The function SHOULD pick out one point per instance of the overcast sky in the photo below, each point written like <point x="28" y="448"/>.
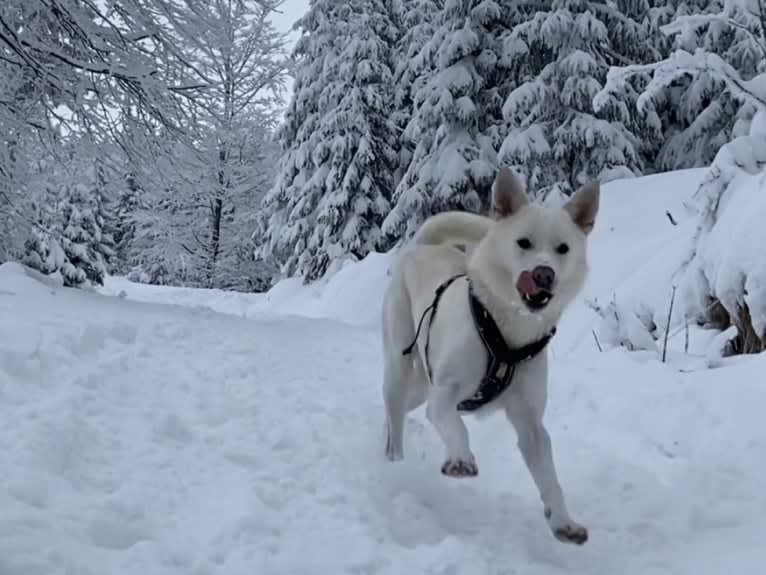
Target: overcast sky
<point x="291" y="11"/>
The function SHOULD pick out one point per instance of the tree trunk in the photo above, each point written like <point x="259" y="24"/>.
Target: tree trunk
<point x="216" y="209"/>
<point x="224" y="175"/>
<point x="216" y="215"/>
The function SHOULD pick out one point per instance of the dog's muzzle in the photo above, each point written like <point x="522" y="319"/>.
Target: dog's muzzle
<point x="536" y="287"/>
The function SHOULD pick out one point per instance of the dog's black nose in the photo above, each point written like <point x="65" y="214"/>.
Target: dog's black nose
<point x="543" y="276"/>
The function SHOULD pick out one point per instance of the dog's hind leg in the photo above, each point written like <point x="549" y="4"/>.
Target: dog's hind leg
<point x="417" y="388"/>
<point x="405" y="388"/>
<point x="395" y="397"/>
<point x="396" y="376"/>
<point x="399" y="371"/>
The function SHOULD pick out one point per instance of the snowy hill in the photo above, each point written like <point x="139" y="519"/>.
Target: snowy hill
<point x="179" y="431"/>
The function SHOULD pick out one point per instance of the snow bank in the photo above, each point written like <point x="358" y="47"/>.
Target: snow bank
<point x="352" y="295"/>
<point x="730" y="257"/>
<point x="22" y="279"/>
<point x="725" y="280"/>
<point x="228" y="302"/>
<point x="642" y="235"/>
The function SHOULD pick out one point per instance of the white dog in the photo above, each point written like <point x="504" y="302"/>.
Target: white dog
<point x="524" y="267"/>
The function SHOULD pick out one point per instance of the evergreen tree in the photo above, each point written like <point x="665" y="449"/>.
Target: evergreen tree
<point x="104" y="202"/>
<point x="561" y="56"/>
<point x="42" y="252"/>
<point x="338" y="140"/>
<point x="81" y="237"/>
<point x="39" y="255"/>
<point x="42" y="249"/>
<point x="457" y="120"/>
<point x="69" y="224"/>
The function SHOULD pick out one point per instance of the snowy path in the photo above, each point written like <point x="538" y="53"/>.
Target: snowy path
<point x="169" y="440"/>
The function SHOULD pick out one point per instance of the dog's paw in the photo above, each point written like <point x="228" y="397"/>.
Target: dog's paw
<point x="392" y="455"/>
<point x="572" y="533"/>
<point x="567" y="531"/>
<point x="460" y="468"/>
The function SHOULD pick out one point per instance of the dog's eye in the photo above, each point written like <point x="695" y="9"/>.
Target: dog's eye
<point x="562" y="249"/>
<point x="524" y="243"/>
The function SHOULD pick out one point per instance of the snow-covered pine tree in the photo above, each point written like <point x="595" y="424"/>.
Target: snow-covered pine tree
<point x="632" y="33"/>
<point x="41" y="251"/>
<point x="457" y="120"/>
<point x="338" y="141"/>
<point x="104" y="200"/>
<point x="67" y="232"/>
<point x="667" y="117"/>
<point x="416" y="21"/>
<point x="42" y="247"/>
<point x="561" y="55"/>
<point x="38" y="252"/>
<point x="80" y="236"/>
<point x="693" y="94"/>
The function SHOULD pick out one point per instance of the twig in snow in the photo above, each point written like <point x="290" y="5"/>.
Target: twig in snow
<point x="671" y="218"/>
<point x="598" y="343"/>
<point x="667" y="328"/>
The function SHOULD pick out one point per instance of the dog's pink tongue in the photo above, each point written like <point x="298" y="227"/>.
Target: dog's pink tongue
<point x="526" y="284"/>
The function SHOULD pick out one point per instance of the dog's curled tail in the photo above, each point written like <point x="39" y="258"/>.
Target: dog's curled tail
<point x="453" y="228"/>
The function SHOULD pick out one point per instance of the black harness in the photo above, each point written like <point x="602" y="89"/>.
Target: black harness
<point x="503" y="360"/>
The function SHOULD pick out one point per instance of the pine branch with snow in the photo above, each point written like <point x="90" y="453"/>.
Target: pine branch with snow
<point x="555" y="137"/>
<point x="708" y="89"/>
<point x="417" y="21"/>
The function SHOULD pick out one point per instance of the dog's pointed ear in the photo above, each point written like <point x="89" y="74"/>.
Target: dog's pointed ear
<point x="508" y="195"/>
<point x="583" y="206"/>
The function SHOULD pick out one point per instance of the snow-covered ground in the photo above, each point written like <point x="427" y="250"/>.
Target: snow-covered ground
<point x="175" y="431"/>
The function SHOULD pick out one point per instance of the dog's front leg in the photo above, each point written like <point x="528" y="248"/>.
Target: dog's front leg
<point x="442" y="412"/>
<point x="535" y="446"/>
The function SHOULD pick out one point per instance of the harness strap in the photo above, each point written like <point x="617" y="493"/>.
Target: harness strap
<point x="502" y="360"/>
<point x="432" y="308"/>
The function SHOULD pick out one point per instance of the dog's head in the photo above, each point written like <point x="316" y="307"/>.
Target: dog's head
<point x="541" y="249"/>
